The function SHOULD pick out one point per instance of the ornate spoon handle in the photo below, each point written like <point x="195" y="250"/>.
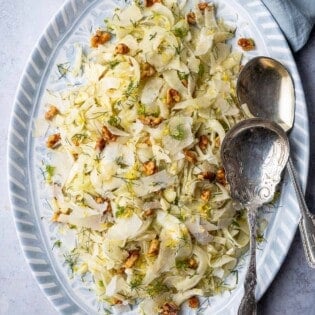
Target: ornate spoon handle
<point x="307" y="223"/>
<point x="248" y="303"/>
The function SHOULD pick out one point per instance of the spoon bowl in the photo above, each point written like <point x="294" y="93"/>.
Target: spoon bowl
<point x="266" y="86"/>
<point x="254" y="153"/>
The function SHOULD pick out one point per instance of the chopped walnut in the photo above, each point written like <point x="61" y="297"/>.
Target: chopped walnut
<point x="108" y="207"/>
<point x="132" y="258"/>
<point x="122" y="49"/>
<point x="149" y="3"/>
<point x="172" y="96"/>
<point x="147" y="71"/>
<point x="100" y="144"/>
<point x="203" y="142"/>
<point x="99" y="200"/>
<point x="193" y="302"/>
<point x="205" y="194"/>
<point x="116" y="301"/>
<point x="151" y="120"/>
<point x="149" y="168"/>
<point x="169" y="308"/>
<point x="190" y="156"/>
<point x="51" y="113"/>
<point x="55" y="216"/>
<point x="203" y="6"/>
<point x="207" y="175"/>
<point x="192" y="263"/>
<point x="75" y="156"/>
<point x="52" y="140"/>
<point x="107" y="135"/>
<point x="100" y="38"/>
<point x="220" y="176"/>
<point x="246" y="43"/>
<point x="154" y="248"/>
<point x="148" y="213"/>
<point x="191" y="18"/>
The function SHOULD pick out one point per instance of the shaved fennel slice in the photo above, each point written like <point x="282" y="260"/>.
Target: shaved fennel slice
<point x="164" y="11"/>
<point x="126" y="228"/>
<point x="172" y="79"/>
<point x="180" y="134"/>
<point x="155" y="182"/>
<point x="199" y="231"/>
<point x="215" y="126"/>
<point x="210" y="19"/>
<point x="131" y="14"/>
<point x="175" y="244"/>
<point x="151" y="90"/>
<point x="91" y="222"/>
<point x="204" y="43"/>
<point x="160" y="154"/>
<point x="175" y="234"/>
<point x="183" y="284"/>
<point x="114" y="152"/>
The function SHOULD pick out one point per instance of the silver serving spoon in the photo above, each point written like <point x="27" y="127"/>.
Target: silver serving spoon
<point x="266" y="86"/>
<point x="254" y="153"/>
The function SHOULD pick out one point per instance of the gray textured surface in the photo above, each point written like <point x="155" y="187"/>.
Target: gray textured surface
<point x="21" y="22"/>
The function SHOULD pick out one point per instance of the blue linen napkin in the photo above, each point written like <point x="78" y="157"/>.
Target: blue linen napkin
<point x="296" y="19"/>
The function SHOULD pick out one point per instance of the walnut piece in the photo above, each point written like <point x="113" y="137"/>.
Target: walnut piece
<point x="149" y="3"/>
<point x="116" y="301"/>
<point x="172" y="97"/>
<point x="190" y="156"/>
<point x="147" y="71"/>
<point x="191" y="18"/>
<point x="246" y="44"/>
<point x="151" y="120"/>
<point x="154" y="247"/>
<point x="149" y="168"/>
<point x="148" y="213"/>
<point x="193" y="302"/>
<point x="203" y="142"/>
<point x="51" y="112"/>
<point x="192" y="263"/>
<point x="108" y="208"/>
<point x="122" y="49"/>
<point x="100" y="144"/>
<point x="205" y="194"/>
<point x="107" y="135"/>
<point x="100" y="38"/>
<point x="207" y="175"/>
<point x="220" y="176"/>
<point x="203" y="6"/>
<point x="55" y="216"/>
<point x="132" y="258"/>
<point x="99" y="200"/>
<point x="52" y="140"/>
<point x="169" y="308"/>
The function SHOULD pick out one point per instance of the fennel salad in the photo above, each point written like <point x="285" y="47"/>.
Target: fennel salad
<point x="135" y="166"/>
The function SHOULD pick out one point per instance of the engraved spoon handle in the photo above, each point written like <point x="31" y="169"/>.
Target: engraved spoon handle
<point x="248" y="303"/>
<point x="307" y="223"/>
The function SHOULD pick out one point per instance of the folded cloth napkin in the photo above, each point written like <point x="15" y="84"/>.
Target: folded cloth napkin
<point x="296" y="19"/>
